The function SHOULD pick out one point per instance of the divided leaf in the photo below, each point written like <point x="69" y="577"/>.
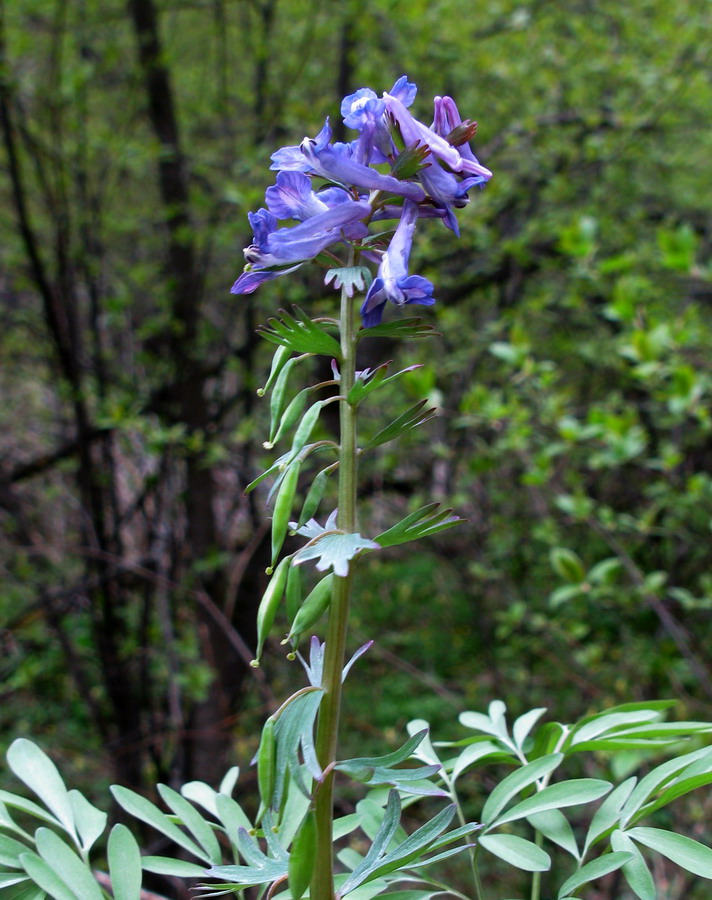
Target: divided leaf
<point x="421" y="523"/>
<point x="300" y="334"/>
<point x="412" y="417"/>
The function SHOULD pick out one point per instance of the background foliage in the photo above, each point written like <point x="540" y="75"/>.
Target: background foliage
<point x="571" y="377"/>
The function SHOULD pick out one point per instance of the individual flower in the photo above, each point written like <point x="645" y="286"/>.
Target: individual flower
<point x="292" y="197"/>
<point x="449" y="173"/>
<point x="273" y="247"/>
<point x="340" y="163"/>
<point x="393" y="281"/>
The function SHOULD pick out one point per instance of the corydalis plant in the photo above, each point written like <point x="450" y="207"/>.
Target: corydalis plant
<point x="339" y="194"/>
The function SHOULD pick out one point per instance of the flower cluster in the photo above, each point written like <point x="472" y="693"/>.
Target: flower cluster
<point x="396" y="168"/>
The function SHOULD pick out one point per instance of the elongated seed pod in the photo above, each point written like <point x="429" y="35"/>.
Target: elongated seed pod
<point x="313" y="608"/>
<point x="306" y="426"/>
<point x="314" y="496"/>
<point x="294" y="592"/>
<point x="279" y="393"/>
<point x="266" y="760"/>
<point x="302" y="856"/>
<point x="290" y="415"/>
<point x="281" y="355"/>
<point x="283" y="508"/>
<point x="269" y="604"/>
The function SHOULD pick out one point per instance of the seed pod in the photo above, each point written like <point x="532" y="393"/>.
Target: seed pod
<point x="306" y="426"/>
<point x="294" y="592"/>
<point x="302" y="856"/>
<point x="279" y="359"/>
<point x="290" y="415"/>
<point x="276" y="401"/>
<point x="269" y="605"/>
<point x="313" y="608"/>
<point x="283" y="508"/>
<point x="314" y="496"/>
<point x="266" y="771"/>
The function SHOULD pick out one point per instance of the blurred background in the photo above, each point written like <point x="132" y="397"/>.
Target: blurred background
<point x="572" y="374"/>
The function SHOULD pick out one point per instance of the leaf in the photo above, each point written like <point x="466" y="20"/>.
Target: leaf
<point x="300" y="334"/>
<point x="333" y="549"/>
<point x="89" y="820"/>
<point x="45" y="876"/>
<point x="678" y="788"/>
<point x="524" y="724"/>
<point x="480" y="722"/>
<point x="513" y="784"/>
<point x="655" y="779"/>
<point x="604" y="725"/>
<point x="231" y="814"/>
<point x="554" y="825"/>
<point x="595" y="869"/>
<point x="389" y="759"/>
<point x="201" y="794"/>
<point x="229" y="780"/>
<point x="124" y="864"/>
<point x="261" y="869"/>
<point x="40" y="774"/>
<point x="410" y="851"/>
<point x="567" y="565"/>
<point x="607" y="814"/>
<point x="294" y="728"/>
<point x="193" y="821"/>
<point x="28" y="806"/>
<point x="477" y="752"/>
<point x="421" y="523"/>
<point x="145" y="811"/>
<point x="682" y="850"/>
<point x="372" y="380"/>
<point x="412" y="417"/>
<point x="10" y="851"/>
<point x="67" y="865"/>
<point x="635" y="870"/>
<point x="556" y="796"/>
<point x="399" y="328"/>
<point x="165" y="865"/>
<point x="516" y="851"/>
<point x="351" y="278"/>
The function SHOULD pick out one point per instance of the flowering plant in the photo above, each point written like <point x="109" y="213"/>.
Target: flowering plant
<point x="399" y="169"/>
<point x="396" y="169"/>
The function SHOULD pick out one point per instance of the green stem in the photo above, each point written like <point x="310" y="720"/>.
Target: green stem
<point x="479" y="890"/>
<point x="536" y="876"/>
<point x="322" y="887"/>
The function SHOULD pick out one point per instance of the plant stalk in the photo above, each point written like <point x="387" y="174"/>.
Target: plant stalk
<point x="322" y="886"/>
<point x="536" y="876"/>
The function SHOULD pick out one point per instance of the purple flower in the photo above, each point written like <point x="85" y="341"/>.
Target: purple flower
<point x="431" y="180"/>
<point x="273" y="247"/>
<point x="292" y="197"/>
<point x="340" y="163"/>
<point x="393" y="282"/>
<point x="448" y="123"/>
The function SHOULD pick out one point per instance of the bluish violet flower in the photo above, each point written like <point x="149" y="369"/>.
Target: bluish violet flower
<point x="393" y="281"/>
<point x="274" y="246"/>
<point x="339" y="163"/>
<point x="431" y="180"/>
<point x="292" y="197"/>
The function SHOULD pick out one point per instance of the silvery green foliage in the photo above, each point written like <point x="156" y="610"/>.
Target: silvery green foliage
<point x="527" y="816"/>
<point x="531" y="813"/>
